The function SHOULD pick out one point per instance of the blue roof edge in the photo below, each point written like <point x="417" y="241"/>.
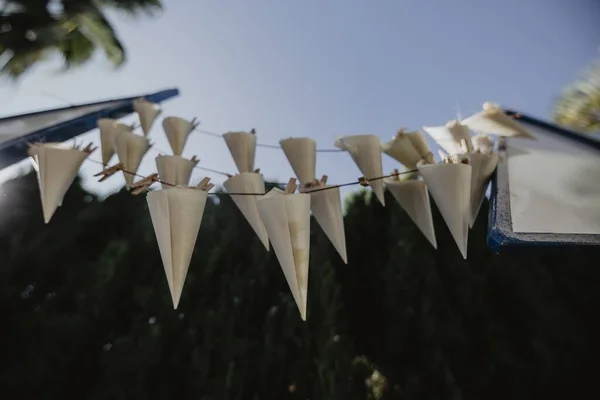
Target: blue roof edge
<point x="15" y="150"/>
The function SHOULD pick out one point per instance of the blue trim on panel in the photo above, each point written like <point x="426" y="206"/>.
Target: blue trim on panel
<point x="15" y="150"/>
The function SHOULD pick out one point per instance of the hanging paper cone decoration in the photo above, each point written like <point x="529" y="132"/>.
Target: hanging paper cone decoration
<point x="419" y="143"/>
<point x="287" y="220"/>
<point x="177" y="131"/>
<point x="483" y="166"/>
<point x="130" y="151"/>
<point x="147" y="113"/>
<point x="413" y="197"/>
<point x="453" y="137"/>
<point x="483" y="143"/>
<point x="56" y="166"/>
<point x="326" y="207"/>
<point x="493" y="121"/>
<point x="242" y="146"/>
<point x="302" y="156"/>
<point x="176" y="216"/>
<point x="174" y="170"/>
<point x="249" y="182"/>
<point x="109" y="128"/>
<point x="401" y="149"/>
<point x="366" y="153"/>
<point x="450" y="187"/>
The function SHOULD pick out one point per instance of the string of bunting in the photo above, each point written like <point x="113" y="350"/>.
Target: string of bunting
<point x="281" y="217"/>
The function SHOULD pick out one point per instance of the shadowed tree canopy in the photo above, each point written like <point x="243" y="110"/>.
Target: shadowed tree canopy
<point x="86" y="310"/>
<point x="33" y="30"/>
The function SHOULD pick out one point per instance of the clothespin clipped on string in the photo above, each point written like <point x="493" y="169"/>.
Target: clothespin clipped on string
<point x="205" y="185"/>
<point x="363" y="181"/>
<point x="195" y="160"/>
<point x="291" y="186"/>
<point x="108" y="172"/>
<point x="144" y="184"/>
<point x="89" y="149"/>
<point x="253" y="131"/>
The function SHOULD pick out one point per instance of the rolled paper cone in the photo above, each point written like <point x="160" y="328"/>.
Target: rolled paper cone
<point x="413" y="197"/>
<point x="483" y="144"/>
<point x="176" y="215"/>
<point x="175" y="170"/>
<point x="420" y="144"/>
<point x="450" y="137"/>
<point x="109" y="128"/>
<point x="366" y="153"/>
<point x="326" y="207"/>
<point x="130" y="151"/>
<point x="493" y="121"/>
<point x="56" y="166"/>
<point x="249" y="182"/>
<point x="402" y="150"/>
<point x="242" y="146"/>
<point x="483" y="167"/>
<point x="450" y="187"/>
<point x="177" y="131"/>
<point x="147" y="113"/>
<point x="287" y="220"/>
<point x="302" y="156"/>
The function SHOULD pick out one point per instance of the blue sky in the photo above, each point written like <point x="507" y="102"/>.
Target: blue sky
<point x="326" y="68"/>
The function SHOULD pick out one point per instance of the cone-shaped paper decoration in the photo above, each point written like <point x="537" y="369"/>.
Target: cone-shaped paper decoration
<point x="451" y="137"/>
<point x="147" y="113"/>
<point x="366" y="153"/>
<point x="175" y="170"/>
<point x="483" y="166"/>
<point x="326" y="207"/>
<point x="249" y="182"/>
<point x="242" y="146"/>
<point x="483" y="143"/>
<point x="176" y="216"/>
<point x="302" y="155"/>
<point x="401" y="149"/>
<point x="56" y="166"/>
<point x="413" y="197"/>
<point x="420" y="144"/>
<point x="177" y="131"/>
<point x="130" y="150"/>
<point x="493" y="121"/>
<point x="450" y="187"/>
<point x="287" y="220"/>
<point x="109" y="128"/>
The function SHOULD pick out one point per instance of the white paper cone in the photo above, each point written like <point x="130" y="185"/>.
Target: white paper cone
<point x="483" y="166"/>
<point x="493" y="121"/>
<point x="249" y="182"/>
<point x="366" y="153"/>
<point x="302" y="156"/>
<point x="450" y="187"/>
<point x="130" y="151"/>
<point x="326" y="207"/>
<point x="175" y="170"/>
<point x="177" y="131"/>
<point x="413" y="197"/>
<point x="402" y="150"/>
<point x="147" y="113"/>
<point x="176" y="216"/>
<point x="420" y="144"/>
<point x="242" y="146"/>
<point x="450" y="137"/>
<point x="287" y="220"/>
<point x="56" y="166"/>
<point x="109" y="128"/>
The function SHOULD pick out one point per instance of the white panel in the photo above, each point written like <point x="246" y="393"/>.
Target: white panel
<point x="554" y="185"/>
<point x="23" y="126"/>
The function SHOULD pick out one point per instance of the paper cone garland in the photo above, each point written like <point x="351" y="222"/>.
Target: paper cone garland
<point x="176" y="216"/>
<point x="177" y="131"/>
<point x="56" y="165"/>
<point x="287" y="220"/>
<point x="413" y="197"/>
<point x="174" y="170"/>
<point x="450" y="187"/>
<point x="452" y="137"/>
<point x="130" y="150"/>
<point x="302" y="156"/>
<point x="242" y="146"/>
<point x="401" y="149"/>
<point x="109" y="128"/>
<point x="249" y="182"/>
<point x="147" y="113"/>
<point x="483" y="166"/>
<point x="366" y="153"/>
<point x="493" y="121"/>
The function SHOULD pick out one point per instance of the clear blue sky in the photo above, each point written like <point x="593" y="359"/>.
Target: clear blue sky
<point x="327" y="68"/>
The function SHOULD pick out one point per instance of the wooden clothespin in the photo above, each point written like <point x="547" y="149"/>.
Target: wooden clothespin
<point x="363" y="181"/>
<point x="323" y="181"/>
<point x="108" y="172"/>
<point x="195" y="160"/>
<point x="194" y="123"/>
<point x="144" y="184"/>
<point x="89" y="149"/>
<point x="396" y="174"/>
<point x="291" y="186"/>
<point x="257" y="170"/>
<point x="205" y="185"/>
<point x="399" y="134"/>
<point x="253" y="131"/>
